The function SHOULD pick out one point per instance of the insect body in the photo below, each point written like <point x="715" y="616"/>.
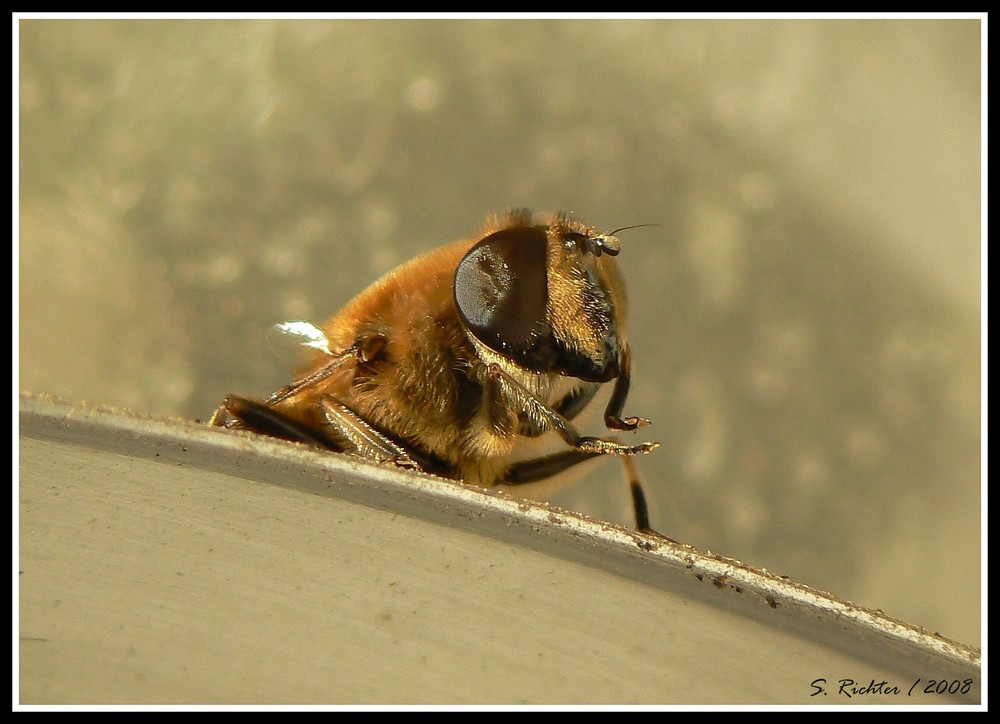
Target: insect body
<point x="449" y="363"/>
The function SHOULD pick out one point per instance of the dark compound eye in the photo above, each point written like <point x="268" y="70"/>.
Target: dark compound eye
<point x="501" y="290"/>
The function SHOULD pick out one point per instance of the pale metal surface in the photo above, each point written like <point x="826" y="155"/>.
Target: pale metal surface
<point x="162" y="561"/>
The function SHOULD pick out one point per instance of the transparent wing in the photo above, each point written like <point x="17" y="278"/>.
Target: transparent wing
<point x="292" y="341"/>
<point x="288" y="340"/>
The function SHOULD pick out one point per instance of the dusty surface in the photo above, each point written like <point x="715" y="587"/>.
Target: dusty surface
<point x="163" y="562"/>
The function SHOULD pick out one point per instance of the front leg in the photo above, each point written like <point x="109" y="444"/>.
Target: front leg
<point x="612" y="415"/>
<point x="551" y="419"/>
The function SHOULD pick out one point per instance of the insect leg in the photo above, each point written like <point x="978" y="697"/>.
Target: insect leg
<point x="572" y="405"/>
<point x="612" y="415"/>
<point x="363" y="439"/>
<point x="530" y="471"/>
<point x="238" y="413"/>
<point x="639" y="505"/>
<point x="563" y="427"/>
<point x="351" y="353"/>
<point x="343" y="432"/>
<point x="534" y="469"/>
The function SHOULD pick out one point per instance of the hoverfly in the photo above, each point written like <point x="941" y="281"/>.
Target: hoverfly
<point x="451" y="361"/>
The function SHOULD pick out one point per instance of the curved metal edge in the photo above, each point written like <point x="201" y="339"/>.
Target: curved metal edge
<point x="656" y="561"/>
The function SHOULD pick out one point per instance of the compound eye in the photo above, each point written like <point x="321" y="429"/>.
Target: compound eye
<point x="501" y="290"/>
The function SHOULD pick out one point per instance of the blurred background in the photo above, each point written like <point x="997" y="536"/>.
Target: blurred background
<point x="805" y="318"/>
